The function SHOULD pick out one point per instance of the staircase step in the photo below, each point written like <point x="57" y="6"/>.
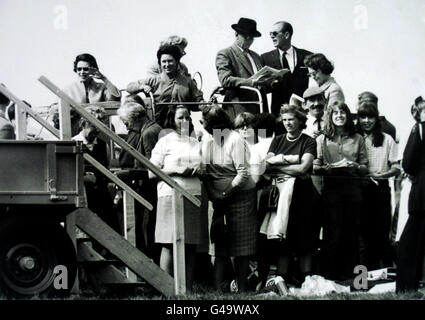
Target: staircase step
<point x="101" y="263"/>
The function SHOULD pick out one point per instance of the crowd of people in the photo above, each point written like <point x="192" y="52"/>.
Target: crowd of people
<point x="305" y="187"/>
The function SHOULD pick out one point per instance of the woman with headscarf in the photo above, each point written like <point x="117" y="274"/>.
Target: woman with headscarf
<point x="174" y="40"/>
<point x="168" y="86"/>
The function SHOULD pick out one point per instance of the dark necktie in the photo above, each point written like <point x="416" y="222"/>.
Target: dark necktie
<point x="319" y="126"/>
<point x="283" y="61"/>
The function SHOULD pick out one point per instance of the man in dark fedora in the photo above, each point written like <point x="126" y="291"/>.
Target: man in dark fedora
<point x="286" y="56"/>
<point x="235" y="67"/>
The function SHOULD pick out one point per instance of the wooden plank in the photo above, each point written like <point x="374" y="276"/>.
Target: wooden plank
<point x="106" y="274"/>
<point x="144" y="267"/>
<point x="129" y="226"/>
<point x="51" y="171"/>
<point x="178" y="245"/>
<point x="21" y="123"/>
<point x="87" y="157"/>
<point x="125" y="146"/>
<point x="65" y="120"/>
<point x="70" y="227"/>
<point x="118" y="181"/>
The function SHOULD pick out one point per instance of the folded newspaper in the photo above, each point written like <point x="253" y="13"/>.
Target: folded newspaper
<point x="267" y="75"/>
<point x="340" y="164"/>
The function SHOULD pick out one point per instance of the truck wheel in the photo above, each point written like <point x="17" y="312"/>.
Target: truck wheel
<point x="30" y="253"/>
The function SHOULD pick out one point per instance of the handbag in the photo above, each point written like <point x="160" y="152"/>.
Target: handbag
<point x="219" y="231"/>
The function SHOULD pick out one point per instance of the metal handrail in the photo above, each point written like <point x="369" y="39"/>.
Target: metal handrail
<point x="260" y="101"/>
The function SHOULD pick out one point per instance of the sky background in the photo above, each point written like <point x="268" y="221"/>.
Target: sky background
<point x="375" y="45"/>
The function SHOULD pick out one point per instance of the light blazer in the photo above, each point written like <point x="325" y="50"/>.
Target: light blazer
<point x="333" y="92"/>
<point x="296" y="82"/>
<point x="234" y="70"/>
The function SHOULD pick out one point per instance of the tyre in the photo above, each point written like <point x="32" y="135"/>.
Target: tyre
<point x="31" y="252"/>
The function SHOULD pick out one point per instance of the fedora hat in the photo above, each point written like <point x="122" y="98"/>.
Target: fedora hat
<point x="247" y="27"/>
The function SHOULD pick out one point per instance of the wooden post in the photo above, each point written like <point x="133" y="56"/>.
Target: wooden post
<point x="70" y="225"/>
<point x="21" y="123"/>
<point x="65" y="120"/>
<point x="178" y="245"/>
<point x="129" y="226"/>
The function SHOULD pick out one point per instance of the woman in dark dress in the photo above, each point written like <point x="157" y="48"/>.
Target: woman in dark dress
<point x="410" y="262"/>
<point x="289" y="231"/>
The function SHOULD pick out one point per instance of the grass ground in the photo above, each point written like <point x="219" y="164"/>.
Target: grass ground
<point x="209" y="294"/>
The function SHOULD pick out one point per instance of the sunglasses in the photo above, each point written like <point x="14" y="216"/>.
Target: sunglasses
<point x="274" y="33"/>
<point x="83" y="69"/>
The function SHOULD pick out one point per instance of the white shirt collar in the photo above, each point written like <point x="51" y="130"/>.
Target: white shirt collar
<point x="290" y="52"/>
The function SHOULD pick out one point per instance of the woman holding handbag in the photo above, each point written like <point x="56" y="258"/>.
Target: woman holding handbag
<point x="225" y="159"/>
<point x="288" y="231"/>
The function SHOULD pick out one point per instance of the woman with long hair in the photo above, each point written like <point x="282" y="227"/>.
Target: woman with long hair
<point x="342" y="159"/>
<point x="383" y="159"/>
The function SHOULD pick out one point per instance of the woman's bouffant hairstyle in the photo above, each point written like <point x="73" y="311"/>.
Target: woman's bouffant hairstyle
<point x="297" y="112"/>
<point x="329" y="130"/>
<point x="214" y="117"/>
<point x="174" y="40"/>
<point x="318" y="61"/>
<point x="131" y="110"/>
<point x="265" y="121"/>
<point x="171" y="50"/>
<point x="369" y="109"/>
<point x="367" y="96"/>
<point x="87" y="58"/>
<point x="170" y="122"/>
<point x="417" y="107"/>
<point x="97" y="112"/>
<point x="244" y="119"/>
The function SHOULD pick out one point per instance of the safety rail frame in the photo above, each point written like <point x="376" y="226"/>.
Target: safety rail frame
<point x="178" y="216"/>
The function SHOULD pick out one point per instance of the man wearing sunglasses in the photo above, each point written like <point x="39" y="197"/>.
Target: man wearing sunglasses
<point x="286" y="56"/>
<point x="235" y="67"/>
